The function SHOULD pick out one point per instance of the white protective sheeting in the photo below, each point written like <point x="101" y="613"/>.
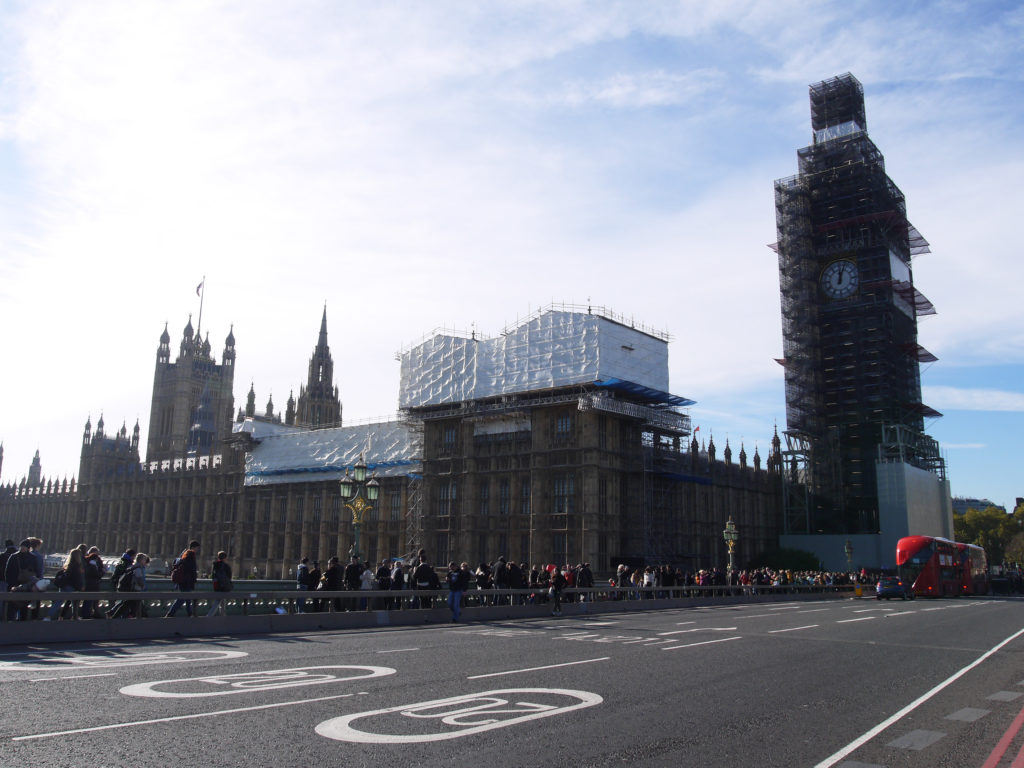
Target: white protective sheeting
<point x="324" y="454"/>
<point x="554" y="349"/>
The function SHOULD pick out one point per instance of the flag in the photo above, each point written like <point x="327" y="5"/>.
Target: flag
<point x="199" y="288"/>
<point x="696" y="429"/>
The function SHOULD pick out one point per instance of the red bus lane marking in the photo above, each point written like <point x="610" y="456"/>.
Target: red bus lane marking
<point x="1004" y="742"/>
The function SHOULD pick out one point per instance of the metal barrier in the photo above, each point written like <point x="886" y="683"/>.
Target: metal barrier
<point x="243" y="602"/>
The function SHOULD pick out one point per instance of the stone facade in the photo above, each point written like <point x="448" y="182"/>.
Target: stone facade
<point x="567" y="474"/>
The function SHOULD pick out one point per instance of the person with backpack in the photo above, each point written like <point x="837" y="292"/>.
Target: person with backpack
<point x="126" y="562"/>
<point x="220" y="574"/>
<point x="94" y="573"/>
<point x="424" y="578"/>
<point x="20" y="576"/>
<point x="133" y="580"/>
<point x="70" y="578"/>
<point x="185" y="574"/>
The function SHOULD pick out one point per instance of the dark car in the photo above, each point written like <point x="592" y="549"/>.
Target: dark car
<point x="892" y="586"/>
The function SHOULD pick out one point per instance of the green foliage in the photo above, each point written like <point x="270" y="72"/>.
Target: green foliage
<point x="787" y="559"/>
<point x="991" y="528"/>
<point x="1015" y="549"/>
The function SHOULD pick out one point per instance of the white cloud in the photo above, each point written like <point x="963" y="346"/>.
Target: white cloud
<point x="417" y="165"/>
<point x="960" y="399"/>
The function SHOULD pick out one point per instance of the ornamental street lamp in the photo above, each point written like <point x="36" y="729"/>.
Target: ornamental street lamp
<point x="848" y="549"/>
<point x="358" y="494"/>
<point x="731" y="536"/>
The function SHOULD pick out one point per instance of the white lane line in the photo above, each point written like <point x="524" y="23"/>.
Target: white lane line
<point x="684" y="623"/>
<point x="861" y="740"/>
<point x="192" y="716"/>
<point x="74" y="677"/>
<point x="814" y="610"/>
<point x="755" y="616"/>
<point x="706" y="642"/>
<point x="535" y="669"/>
<point x="399" y="650"/>
<point x="785" y="608"/>
<point x="791" y="629"/>
<point x="899" y="613"/>
<point x="698" y="629"/>
<point x="862" y="618"/>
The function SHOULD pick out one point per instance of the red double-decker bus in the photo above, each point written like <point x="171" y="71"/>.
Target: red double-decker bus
<point x="938" y="567"/>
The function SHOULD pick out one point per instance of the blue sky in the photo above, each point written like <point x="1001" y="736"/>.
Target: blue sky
<point x="423" y="165"/>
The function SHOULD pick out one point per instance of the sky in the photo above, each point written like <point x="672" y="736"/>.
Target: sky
<point x="414" y="166"/>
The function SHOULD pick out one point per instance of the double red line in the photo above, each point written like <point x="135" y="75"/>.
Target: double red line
<point x="1004" y="743"/>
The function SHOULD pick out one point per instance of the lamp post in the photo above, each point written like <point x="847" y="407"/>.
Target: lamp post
<point x="848" y="549"/>
<point x="358" y="495"/>
<point x="731" y="536"/>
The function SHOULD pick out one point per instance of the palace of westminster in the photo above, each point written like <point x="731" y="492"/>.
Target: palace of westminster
<point x="557" y="440"/>
<point x="554" y="458"/>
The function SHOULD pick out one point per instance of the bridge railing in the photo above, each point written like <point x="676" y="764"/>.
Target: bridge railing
<point x="247" y="602"/>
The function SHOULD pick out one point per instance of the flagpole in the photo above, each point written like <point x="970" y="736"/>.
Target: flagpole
<point x="202" y="292"/>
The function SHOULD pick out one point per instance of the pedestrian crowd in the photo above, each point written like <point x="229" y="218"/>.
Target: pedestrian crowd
<point x="503" y="581"/>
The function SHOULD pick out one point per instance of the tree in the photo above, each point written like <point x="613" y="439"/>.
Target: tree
<point x="990" y="528"/>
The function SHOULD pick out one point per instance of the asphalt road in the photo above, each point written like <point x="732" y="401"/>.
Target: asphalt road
<point x="852" y="683"/>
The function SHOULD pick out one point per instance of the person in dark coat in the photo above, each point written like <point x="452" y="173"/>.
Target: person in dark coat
<point x="95" y="570"/>
<point x="20" y="577"/>
<point x="189" y="564"/>
<point x="331" y="581"/>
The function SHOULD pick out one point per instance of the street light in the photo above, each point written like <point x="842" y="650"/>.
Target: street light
<point x="731" y="536"/>
<point x="358" y="494"/>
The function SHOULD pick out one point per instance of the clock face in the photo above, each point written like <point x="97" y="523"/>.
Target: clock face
<point x="840" y="279"/>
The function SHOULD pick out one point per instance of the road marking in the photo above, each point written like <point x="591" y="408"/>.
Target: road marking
<point x="706" y="642"/>
<point x="864" y="739"/>
<point x="470" y="713"/>
<point x="791" y="629"/>
<point x="399" y="650"/>
<point x="535" y="669"/>
<point x="1000" y="748"/>
<point x="862" y="618"/>
<point x="916" y="740"/>
<point x="785" y="608"/>
<point x="73" y="677"/>
<point x="249" y="682"/>
<point x="753" y="616"/>
<point x="192" y="716"/>
<point x="96" y="661"/>
<point x="1005" y="696"/>
<point x="684" y="623"/>
<point x="814" y="610"/>
<point x="899" y="613"/>
<point x="968" y="714"/>
<point x="699" y="629"/>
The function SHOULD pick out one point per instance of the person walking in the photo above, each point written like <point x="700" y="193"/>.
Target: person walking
<point x="331" y="582"/>
<point x="95" y="570"/>
<point x="131" y="582"/>
<point x="185" y="574"/>
<point x="458" y="582"/>
<point x="70" y="578"/>
<point x="220" y="575"/>
<point x="558" y="583"/>
<point x="302" y="584"/>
